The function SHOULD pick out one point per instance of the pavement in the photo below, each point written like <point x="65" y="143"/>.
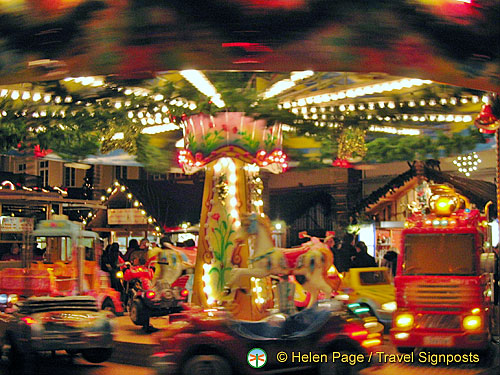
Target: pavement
<point x="134" y="346"/>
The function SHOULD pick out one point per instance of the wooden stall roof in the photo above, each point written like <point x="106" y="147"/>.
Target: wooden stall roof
<point x="167" y="202"/>
<point x="477" y="191"/>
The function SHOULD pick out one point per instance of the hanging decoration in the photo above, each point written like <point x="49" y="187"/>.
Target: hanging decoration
<point x="488" y="120"/>
<point x="351" y="145"/>
<point x="39" y="152"/>
<point x="342" y="163"/>
<point x="467" y="163"/>
<point x="18" y="186"/>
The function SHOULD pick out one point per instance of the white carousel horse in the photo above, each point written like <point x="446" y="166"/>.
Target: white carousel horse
<point x="312" y="260"/>
<point x="169" y="264"/>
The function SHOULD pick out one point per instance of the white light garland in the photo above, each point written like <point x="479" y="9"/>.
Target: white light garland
<point x="202" y="84"/>
<point x="393" y="130"/>
<point x="467" y="163"/>
<point x="362" y="91"/>
<point x="286" y="84"/>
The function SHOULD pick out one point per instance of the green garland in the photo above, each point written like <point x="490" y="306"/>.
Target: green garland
<point x="384" y="150"/>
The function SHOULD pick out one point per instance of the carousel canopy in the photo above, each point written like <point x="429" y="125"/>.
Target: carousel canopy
<point x="86" y="77"/>
<point x="444" y="40"/>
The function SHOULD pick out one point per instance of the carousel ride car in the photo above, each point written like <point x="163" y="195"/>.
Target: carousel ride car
<point x="71" y="323"/>
<point x="157" y="288"/>
<point x="70" y="265"/>
<point x="198" y="341"/>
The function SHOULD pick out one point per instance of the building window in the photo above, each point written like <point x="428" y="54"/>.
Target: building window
<point x="43" y="169"/>
<point x="158" y="176"/>
<point x="120" y="172"/>
<point x="21" y="167"/>
<point x="69" y="176"/>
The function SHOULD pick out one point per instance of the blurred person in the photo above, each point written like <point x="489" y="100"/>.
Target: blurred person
<point x="137" y="254"/>
<point x="133" y="246"/>
<point x="330" y="242"/>
<point x="38" y="253"/>
<point x="144" y="244"/>
<point x="104" y="258"/>
<point x="333" y="243"/>
<point x="110" y="263"/>
<point x="345" y="253"/>
<point x="362" y="258"/>
<point x="14" y="254"/>
<point x="391" y="260"/>
<point x="141" y="257"/>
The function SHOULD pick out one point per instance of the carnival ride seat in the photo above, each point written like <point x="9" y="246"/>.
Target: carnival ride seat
<point x="257" y="330"/>
<point x="299" y="325"/>
<point x="305" y="323"/>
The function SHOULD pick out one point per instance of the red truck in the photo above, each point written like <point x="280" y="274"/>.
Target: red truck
<point x="445" y="277"/>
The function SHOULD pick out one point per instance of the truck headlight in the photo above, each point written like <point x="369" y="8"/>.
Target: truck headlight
<point x="404" y="320"/>
<point x="472" y="322"/>
<point x="389" y="306"/>
<point x="13" y="298"/>
<point x="4" y="298"/>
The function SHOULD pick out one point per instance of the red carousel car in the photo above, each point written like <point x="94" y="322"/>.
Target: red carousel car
<point x="208" y="341"/>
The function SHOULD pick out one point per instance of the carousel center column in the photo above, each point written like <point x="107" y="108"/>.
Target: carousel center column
<point x="231" y="148"/>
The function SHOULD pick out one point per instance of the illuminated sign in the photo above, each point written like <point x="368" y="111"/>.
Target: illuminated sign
<point x="16" y="224"/>
<point x="121" y="216"/>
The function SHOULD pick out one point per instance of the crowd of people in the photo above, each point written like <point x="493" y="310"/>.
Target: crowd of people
<point x="138" y="253"/>
<point x="350" y="254"/>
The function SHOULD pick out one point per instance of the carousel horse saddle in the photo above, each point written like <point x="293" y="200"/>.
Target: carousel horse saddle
<point x="300" y="325"/>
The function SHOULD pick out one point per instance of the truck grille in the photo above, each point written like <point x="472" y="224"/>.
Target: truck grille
<point x="441" y="294"/>
<point x="441" y="321"/>
<point x="65" y="334"/>
<point x="45" y="304"/>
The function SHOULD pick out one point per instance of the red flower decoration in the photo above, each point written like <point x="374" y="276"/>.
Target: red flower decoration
<point x="211" y="125"/>
<point x="235" y="130"/>
<point x="342" y="163"/>
<point x="40" y="152"/>
<point x="216" y="217"/>
<point x="224" y="127"/>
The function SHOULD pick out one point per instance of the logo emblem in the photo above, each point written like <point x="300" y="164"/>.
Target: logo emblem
<point x="257" y="358"/>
